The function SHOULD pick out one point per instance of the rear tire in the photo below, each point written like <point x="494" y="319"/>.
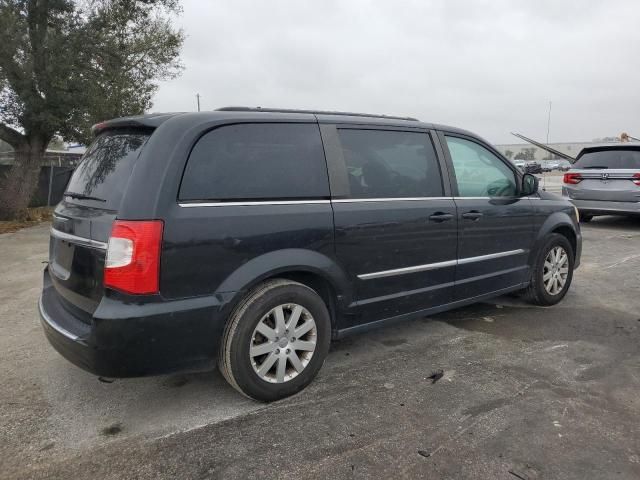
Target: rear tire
<point x="549" y="279"/>
<point x="260" y="355"/>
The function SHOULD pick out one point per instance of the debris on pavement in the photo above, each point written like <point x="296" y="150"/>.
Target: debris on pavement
<point x="435" y="376"/>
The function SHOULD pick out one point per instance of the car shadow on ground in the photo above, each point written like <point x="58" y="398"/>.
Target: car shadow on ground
<point x="614" y="222"/>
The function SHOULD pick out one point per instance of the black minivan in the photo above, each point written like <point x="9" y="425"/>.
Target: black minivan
<point x="252" y="237"/>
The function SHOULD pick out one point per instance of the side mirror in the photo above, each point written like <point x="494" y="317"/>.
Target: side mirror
<point x="529" y="184"/>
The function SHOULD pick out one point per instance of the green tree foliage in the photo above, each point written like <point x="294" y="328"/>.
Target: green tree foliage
<point x="65" y="65"/>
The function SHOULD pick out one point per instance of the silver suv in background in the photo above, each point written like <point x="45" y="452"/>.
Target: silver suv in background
<point x="605" y="180"/>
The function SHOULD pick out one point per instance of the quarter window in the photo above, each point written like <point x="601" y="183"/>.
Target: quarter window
<point x="480" y="173"/>
<point x="390" y="164"/>
<point x="257" y="161"/>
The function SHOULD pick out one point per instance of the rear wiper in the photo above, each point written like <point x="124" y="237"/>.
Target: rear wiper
<point x="82" y="196"/>
<point x="601" y="167"/>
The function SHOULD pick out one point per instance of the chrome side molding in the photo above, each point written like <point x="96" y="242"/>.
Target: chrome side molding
<point x="399" y="199"/>
<point x="491" y="256"/>
<point x="248" y="204"/>
<point x="433" y="266"/>
<point x="335" y="200"/>
<point x="404" y="271"/>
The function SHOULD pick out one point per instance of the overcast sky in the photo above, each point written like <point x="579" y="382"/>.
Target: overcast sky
<point x="489" y="66"/>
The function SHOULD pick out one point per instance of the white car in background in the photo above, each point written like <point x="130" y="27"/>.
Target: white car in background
<point x="520" y="164"/>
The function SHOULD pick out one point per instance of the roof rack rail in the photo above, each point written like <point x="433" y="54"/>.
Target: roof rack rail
<point x="318" y="112"/>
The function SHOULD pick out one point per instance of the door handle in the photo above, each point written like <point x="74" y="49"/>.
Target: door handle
<point x="440" y="217"/>
<point x="472" y="215"/>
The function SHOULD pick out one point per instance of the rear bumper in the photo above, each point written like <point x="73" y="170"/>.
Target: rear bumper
<point x="605" y="207"/>
<point x="127" y="340"/>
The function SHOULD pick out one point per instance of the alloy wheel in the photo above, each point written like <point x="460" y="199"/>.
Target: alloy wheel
<point x="283" y="343"/>
<point x="556" y="270"/>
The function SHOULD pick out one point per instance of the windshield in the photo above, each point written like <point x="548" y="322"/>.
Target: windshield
<point x="103" y="173"/>
<point x="611" y="158"/>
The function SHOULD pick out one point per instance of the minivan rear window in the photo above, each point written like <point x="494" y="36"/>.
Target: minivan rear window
<point x="105" y="168"/>
<point x="262" y="161"/>
<point x="611" y="158"/>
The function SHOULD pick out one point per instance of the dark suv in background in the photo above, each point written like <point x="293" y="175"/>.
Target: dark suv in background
<point x="253" y="237"/>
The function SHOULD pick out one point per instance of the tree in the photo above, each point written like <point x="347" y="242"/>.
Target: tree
<point x="65" y="65"/>
<point x="508" y="154"/>
<point x="526" y="154"/>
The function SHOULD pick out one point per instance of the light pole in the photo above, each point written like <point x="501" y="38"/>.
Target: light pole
<point x="544" y="177"/>
<point x="548" y="123"/>
<point x="198" y="100"/>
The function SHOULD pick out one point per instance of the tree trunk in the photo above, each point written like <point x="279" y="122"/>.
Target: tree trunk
<point x="18" y="186"/>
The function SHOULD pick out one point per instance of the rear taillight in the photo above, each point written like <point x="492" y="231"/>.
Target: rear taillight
<point x="572" y="178"/>
<point x="636" y="179"/>
<point x="133" y="256"/>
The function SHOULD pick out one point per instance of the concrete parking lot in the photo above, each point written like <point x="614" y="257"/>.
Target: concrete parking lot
<point x="527" y="393"/>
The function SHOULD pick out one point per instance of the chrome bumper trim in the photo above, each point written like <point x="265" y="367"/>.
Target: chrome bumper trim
<point x="86" y="242"/>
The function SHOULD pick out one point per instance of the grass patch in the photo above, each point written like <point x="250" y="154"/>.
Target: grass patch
<point x="32" y="217"/>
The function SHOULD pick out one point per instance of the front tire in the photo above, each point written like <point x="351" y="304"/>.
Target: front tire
<point x="552" y="272"/>
<point x="275" y="341"/>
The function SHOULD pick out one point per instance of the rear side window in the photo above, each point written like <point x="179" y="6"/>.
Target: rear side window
<point x="612" y="158"/>
<point x="390" y="164"/>
<point x="106" y="167"/>
<point x="257" y="161"/>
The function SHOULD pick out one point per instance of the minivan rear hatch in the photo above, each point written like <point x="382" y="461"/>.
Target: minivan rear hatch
<point x="607" y="174"/>
<point x="82" y="221"/>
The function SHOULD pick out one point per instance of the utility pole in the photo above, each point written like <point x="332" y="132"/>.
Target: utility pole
<point x="544" y="177"/>
<point x="198" y="101"/>
<point x="549" y="123"/>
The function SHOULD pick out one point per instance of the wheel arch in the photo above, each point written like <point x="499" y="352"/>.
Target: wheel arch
<point x="569" y="233"/>
<point x="560" y="223"/>
<point x="311" y="268"/>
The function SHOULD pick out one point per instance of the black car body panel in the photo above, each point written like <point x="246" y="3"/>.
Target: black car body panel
<point x="552" y="213"/>
<point x="373" y="259"/>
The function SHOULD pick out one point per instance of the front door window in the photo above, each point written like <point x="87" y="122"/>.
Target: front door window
<point x="480" y="173"/>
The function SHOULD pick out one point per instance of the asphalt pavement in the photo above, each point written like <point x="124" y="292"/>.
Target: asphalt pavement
<point x="525" y="392"/>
